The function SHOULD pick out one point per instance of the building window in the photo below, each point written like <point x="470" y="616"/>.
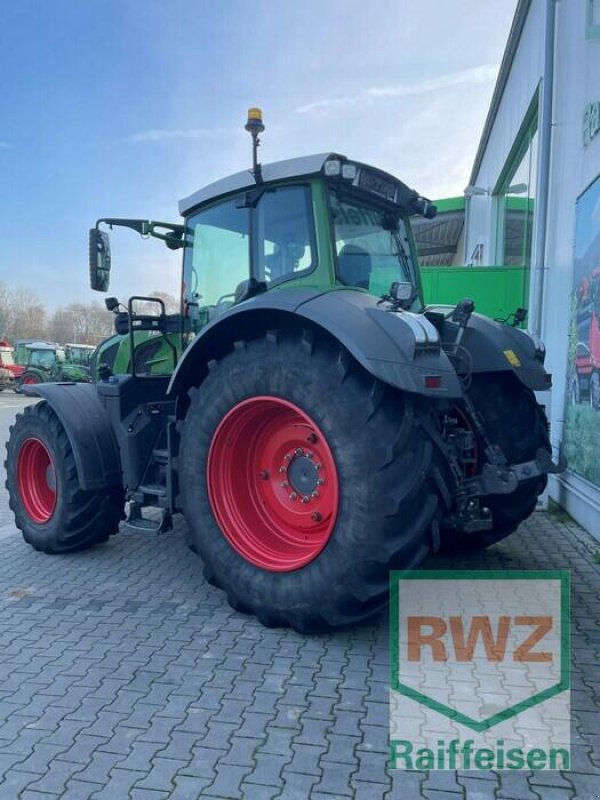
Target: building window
<point x="515" y="196"/>
<point x="592" y="19"/>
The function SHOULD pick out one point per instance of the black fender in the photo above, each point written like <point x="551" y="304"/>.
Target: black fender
<point x="88" y="427"/>
<point x="399" y="348"/>
<point x="497" y="347"/>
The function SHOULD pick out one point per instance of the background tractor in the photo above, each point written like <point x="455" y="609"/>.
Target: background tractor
<point x="320" y="426"/>
<point x="47" y="362"/>
<point x="79" y="355"/>
<point x="8" y="364"/>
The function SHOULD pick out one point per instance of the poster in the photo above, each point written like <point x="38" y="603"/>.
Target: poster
<point x="582" y="423"/>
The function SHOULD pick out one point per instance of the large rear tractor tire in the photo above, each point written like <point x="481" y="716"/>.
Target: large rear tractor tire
<point x="54" y="514"/>
<point x="304" y="482"/>
<point x="515" y="422"/>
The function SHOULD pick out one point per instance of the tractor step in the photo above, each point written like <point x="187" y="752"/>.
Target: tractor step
<point x="153" y="490"/>
<point x="136" y="521"/>
<point x="160" y="456"/>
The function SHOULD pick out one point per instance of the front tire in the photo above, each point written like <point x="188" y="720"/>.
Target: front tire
<point x="53" y="513"/>
<point x="314" y="553"/>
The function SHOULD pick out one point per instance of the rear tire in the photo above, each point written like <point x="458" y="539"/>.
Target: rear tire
<point x="54" y="514"/>
<point x="515" y="422"/>
<point x="377" y="500"/>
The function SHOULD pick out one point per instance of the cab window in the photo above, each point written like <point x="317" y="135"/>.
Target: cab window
<point x="285" y="245"/>
<point x="216" y="259"/>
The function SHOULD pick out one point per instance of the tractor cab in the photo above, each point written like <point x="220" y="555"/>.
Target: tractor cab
<point x="320" y="221"/>
<point x="79" y="354"/>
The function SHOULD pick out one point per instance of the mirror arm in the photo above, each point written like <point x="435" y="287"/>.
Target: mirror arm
<point x="146" y="227"/>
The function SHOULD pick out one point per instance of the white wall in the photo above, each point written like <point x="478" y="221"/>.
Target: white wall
<point x="572" y="169"/>
<point x="522" y="85"/>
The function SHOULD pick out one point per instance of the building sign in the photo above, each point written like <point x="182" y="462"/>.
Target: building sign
<point x="582" y="424"/>
<point x="591" y="122"/>
<point x="479" y="670"/>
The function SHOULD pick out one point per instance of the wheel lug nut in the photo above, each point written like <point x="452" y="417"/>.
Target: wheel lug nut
<point x="305" y="499"/>
<point x="315" y="494"/>
<point x="299" y="451"/>
<point x="283" y="468"/>
<point x="284" y="485"/>
<point x="320" y="481"/>
<point x="312" y="438"/>
<point x="318" y="465"/>
<point x="293" y="496"/>
<point x="263" y="474"/>
<point x="309" y="454"/>
<point x="287" y="456"/>
<point x="316" y="517"/>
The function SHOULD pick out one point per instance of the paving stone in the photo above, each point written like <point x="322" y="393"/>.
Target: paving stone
<point x="135" y="681"/>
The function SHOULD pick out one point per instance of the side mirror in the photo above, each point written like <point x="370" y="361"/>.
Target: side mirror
<point x="99" y="260"/>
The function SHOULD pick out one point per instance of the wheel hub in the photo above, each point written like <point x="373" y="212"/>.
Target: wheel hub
<point x="302" y="475"/>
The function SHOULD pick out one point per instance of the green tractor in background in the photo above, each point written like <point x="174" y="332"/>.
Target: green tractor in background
<point x="46" y="362"/>
<point x="316" y="424"/>
<point x="79" y="355"/>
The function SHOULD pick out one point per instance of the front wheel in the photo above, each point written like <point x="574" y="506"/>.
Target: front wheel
<point x="304" y="481"/>
<point x="54" y="514"/>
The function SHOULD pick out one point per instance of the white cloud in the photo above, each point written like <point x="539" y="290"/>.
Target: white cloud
<point x="485" y="73"/>
<point x="162" y="134"/>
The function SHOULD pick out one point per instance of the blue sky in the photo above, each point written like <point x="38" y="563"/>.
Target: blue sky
<point x="121" y="108"/>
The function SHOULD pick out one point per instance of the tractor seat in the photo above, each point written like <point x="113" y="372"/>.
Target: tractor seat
<point x="354" y="266"/>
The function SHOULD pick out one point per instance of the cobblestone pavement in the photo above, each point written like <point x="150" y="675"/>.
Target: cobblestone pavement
<point x="124" y="675"/>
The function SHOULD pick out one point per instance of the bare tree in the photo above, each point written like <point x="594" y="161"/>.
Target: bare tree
<point x="26" y="315"/>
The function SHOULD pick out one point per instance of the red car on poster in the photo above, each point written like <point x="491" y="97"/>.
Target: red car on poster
<point x="586" y="383"/>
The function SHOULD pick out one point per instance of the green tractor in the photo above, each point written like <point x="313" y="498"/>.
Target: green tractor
<point x="320" y="427"/>
<point x="46" y="362"/>
<point x="79" y="355"/>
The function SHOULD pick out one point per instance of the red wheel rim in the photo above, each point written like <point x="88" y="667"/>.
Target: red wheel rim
<point x="30" y="380"/>
<point x="272" y="484"/>
<point x="36" y="480"/>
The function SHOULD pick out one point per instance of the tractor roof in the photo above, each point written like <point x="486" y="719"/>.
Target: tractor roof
<point x="81" y="346"/>
<point x="43" y="346"/>
<point x="276" y="171"/>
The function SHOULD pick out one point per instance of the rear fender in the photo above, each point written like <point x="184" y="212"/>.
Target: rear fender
<point x="399" y="348"/>
<point x="90" y="433"/>
<point x="496" y="347"/>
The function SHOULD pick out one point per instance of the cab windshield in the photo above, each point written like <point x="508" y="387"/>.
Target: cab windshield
<point x="43" y="358"/>
<point x="371" y="244"/>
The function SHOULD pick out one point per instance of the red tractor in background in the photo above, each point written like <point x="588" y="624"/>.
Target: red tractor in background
<point x="8" y="365"/>
<point x="586" y="383"/>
